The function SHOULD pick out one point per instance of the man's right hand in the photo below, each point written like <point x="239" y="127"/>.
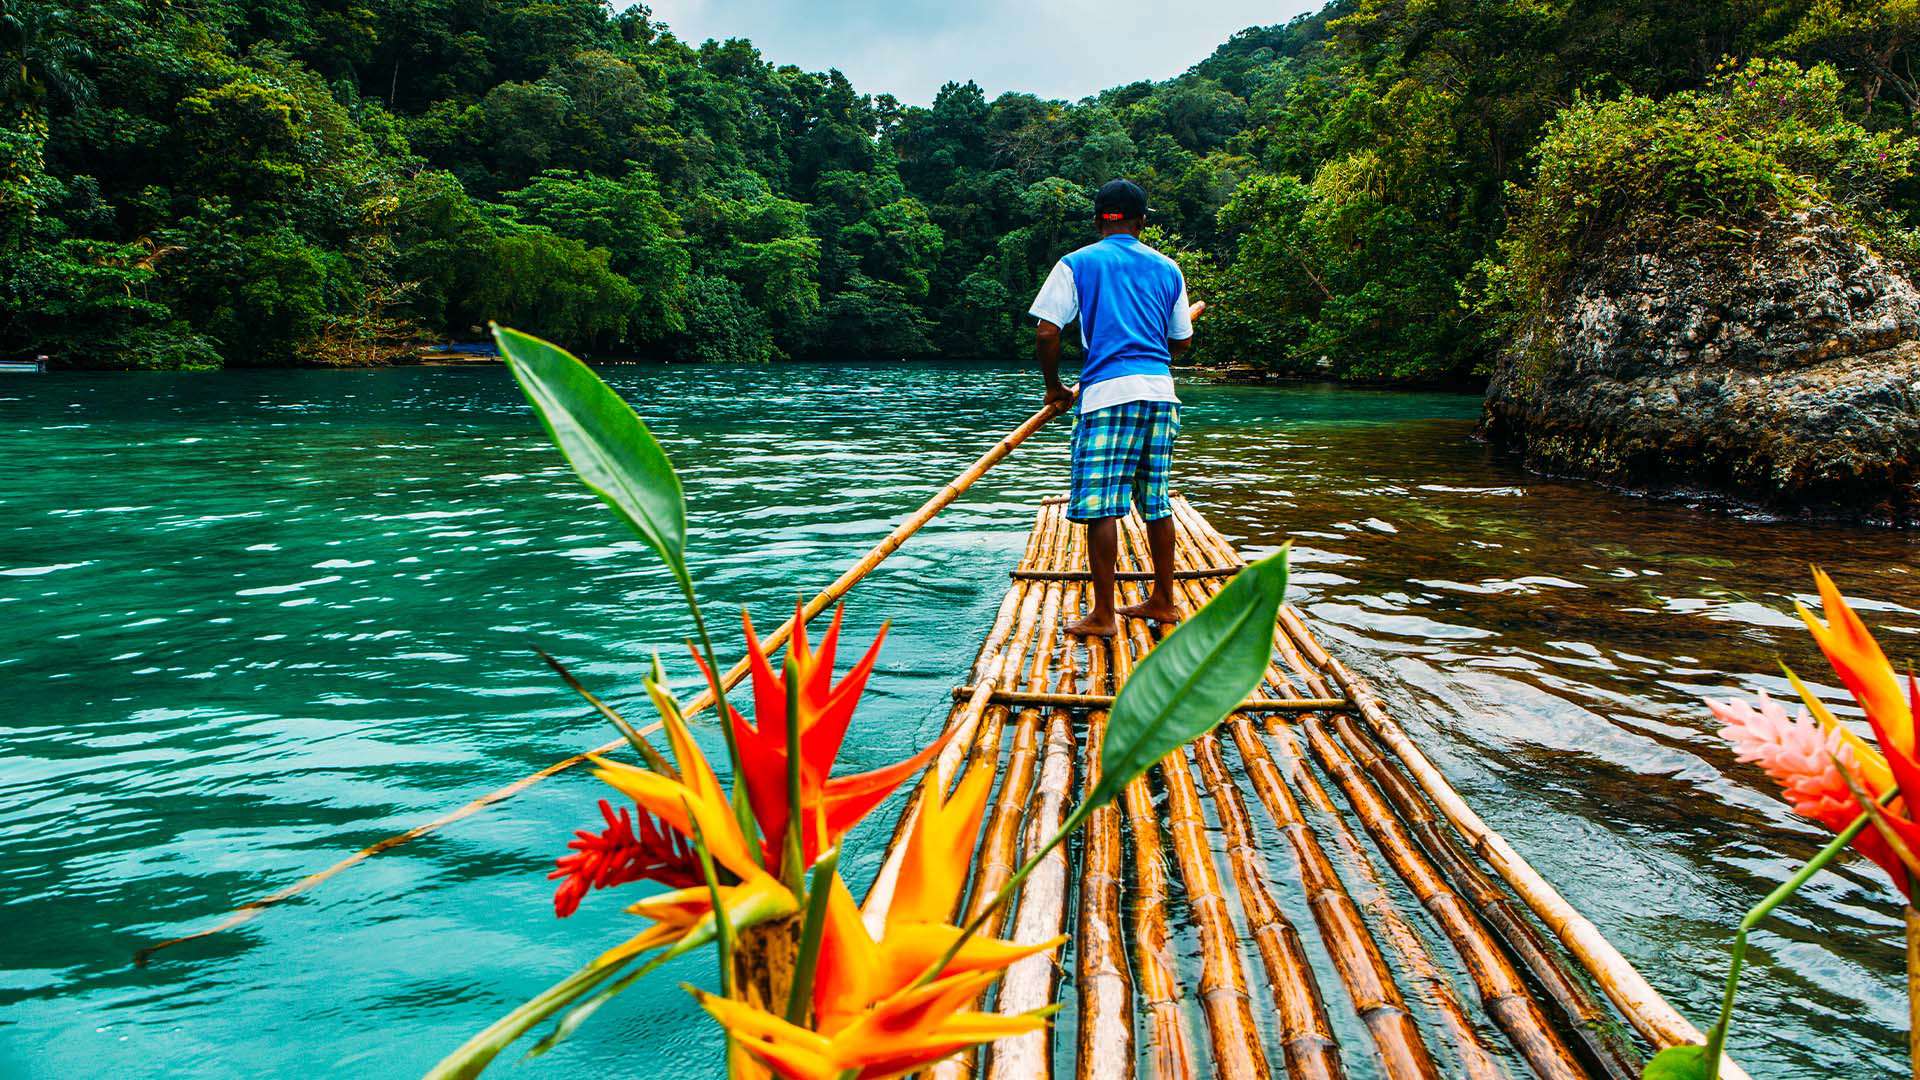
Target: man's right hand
<point x="1059" y="395"/>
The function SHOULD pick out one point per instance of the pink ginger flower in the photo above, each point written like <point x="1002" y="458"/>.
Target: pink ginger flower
<point x="1796" y="753"/>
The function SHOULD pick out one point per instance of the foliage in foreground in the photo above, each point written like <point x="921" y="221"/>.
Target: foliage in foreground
<point x="804" y="989"/>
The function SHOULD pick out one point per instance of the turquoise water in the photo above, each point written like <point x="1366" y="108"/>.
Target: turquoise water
<point x="251" y="622"/>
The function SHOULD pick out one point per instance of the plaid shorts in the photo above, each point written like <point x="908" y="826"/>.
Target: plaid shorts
<point x="1121" y="455"/>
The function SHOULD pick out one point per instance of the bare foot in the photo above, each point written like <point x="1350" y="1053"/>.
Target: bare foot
<point x="1160" y="611"/>
<point x="1094" y="626"/>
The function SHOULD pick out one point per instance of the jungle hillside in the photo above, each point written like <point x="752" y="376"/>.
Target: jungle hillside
<point x="1383" y="190"/>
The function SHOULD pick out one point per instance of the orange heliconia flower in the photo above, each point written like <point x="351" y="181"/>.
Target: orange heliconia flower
<point x="869" y="1017"/>
<point x="1864" y="670"/>
<point x="902" y="1035"/>
<point x="834" y="804"/>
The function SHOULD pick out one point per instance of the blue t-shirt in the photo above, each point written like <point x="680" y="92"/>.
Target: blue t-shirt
<point x="1130" y="300"/>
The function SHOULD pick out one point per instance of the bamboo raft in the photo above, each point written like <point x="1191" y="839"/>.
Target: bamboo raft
<point x="1485" y="972"/>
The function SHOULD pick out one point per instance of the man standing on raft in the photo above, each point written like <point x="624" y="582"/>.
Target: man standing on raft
<point x="1134" y="319"/>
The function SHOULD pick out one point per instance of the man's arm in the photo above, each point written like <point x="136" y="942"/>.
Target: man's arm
<point x="1177" y="347"/>
<point x="1046" y="349"/>
<point x="1057" y="305"/>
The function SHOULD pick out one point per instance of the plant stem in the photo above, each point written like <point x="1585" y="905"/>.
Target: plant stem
<point x="742" y="812"/>
<point x="1717" y="1038"/>
<point x="800" y="996"/>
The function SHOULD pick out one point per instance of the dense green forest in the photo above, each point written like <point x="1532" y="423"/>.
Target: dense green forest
<point x="1374" y="191"/>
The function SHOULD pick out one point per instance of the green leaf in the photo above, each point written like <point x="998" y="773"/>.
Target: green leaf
<point x="603" y="439"/>
<point x="1193" y="678"/>
<point x="1679" y="1063"/>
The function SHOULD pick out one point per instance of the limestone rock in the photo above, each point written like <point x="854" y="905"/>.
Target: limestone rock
<point x="1781" y="368"/>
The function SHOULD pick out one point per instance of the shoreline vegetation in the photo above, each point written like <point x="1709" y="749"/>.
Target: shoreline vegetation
<point x="1371" y="193"/>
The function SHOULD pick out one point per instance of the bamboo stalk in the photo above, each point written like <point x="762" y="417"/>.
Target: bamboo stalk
<point x="1594" y="1026"/>
<point x="998" y="850"/>
<point x="1474" y="1060"/>
<point x="1223" y="982"/>
<point x="1356" y="956"/>
<point x="1106" y="1048"/>
<point x="1224" y="999"/>
<point x="1306" y="1035"/>
<point x="1029" y="983"/>
<point x="1169" y="1049"/>
<point x="1123" y="575"/>
<point x="1629" y="991"/>
<point x="1599" y="1037"/>
<point x="1502" y="992"/>
<point x="1597" y="1032"/>
<point x="996" y="858"/>
<point x="1056" y="700"/>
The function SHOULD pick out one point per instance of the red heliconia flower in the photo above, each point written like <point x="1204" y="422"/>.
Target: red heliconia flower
<point x="834" y="804"/>
<point x="617" y="855"/>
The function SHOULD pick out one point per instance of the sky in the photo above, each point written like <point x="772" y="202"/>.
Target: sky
<point x="909" y="47"/>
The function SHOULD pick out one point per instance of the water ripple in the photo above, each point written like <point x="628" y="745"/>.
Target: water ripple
<point x="289" y="613"/>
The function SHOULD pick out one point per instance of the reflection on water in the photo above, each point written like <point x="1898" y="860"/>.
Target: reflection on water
<point x="251" y="621"/>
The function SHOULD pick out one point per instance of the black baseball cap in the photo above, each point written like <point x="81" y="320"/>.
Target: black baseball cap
<point x="1119" y="200"/>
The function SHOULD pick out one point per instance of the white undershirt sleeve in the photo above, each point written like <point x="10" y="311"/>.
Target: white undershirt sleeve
<point x="1180" y="325"/>
<point x="1059" y="299"/>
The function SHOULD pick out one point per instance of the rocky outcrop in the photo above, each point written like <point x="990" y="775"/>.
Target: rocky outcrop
<point x="1782" y="369"/>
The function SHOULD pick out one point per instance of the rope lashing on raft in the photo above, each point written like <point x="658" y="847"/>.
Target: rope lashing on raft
<point x="841" y="585"/>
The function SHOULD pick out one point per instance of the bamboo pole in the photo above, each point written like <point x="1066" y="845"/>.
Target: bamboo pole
<point x="1629" y="991"/>
<point x="997" y="856"/>
<point x="1596" y="1030"/>
<point x="1356" y="956"/>
<point x="875" y="555"/>
<point x="1223" y="982"/>
<point x="1569" y="994"/>
<point x="998" y="853"/>
<point x="1106" y="1047"/>
<point x="1224" y="999"/>
<point x="1029" y="983"/>
<point x="1502" y="992"/>
<point x="1306" y="1035"/>
<point x="1474" y="1060"/>
<point x="1595" y="1027"/>
<point x="1057" y="700"/>
<point x="1169" y="1049"/>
